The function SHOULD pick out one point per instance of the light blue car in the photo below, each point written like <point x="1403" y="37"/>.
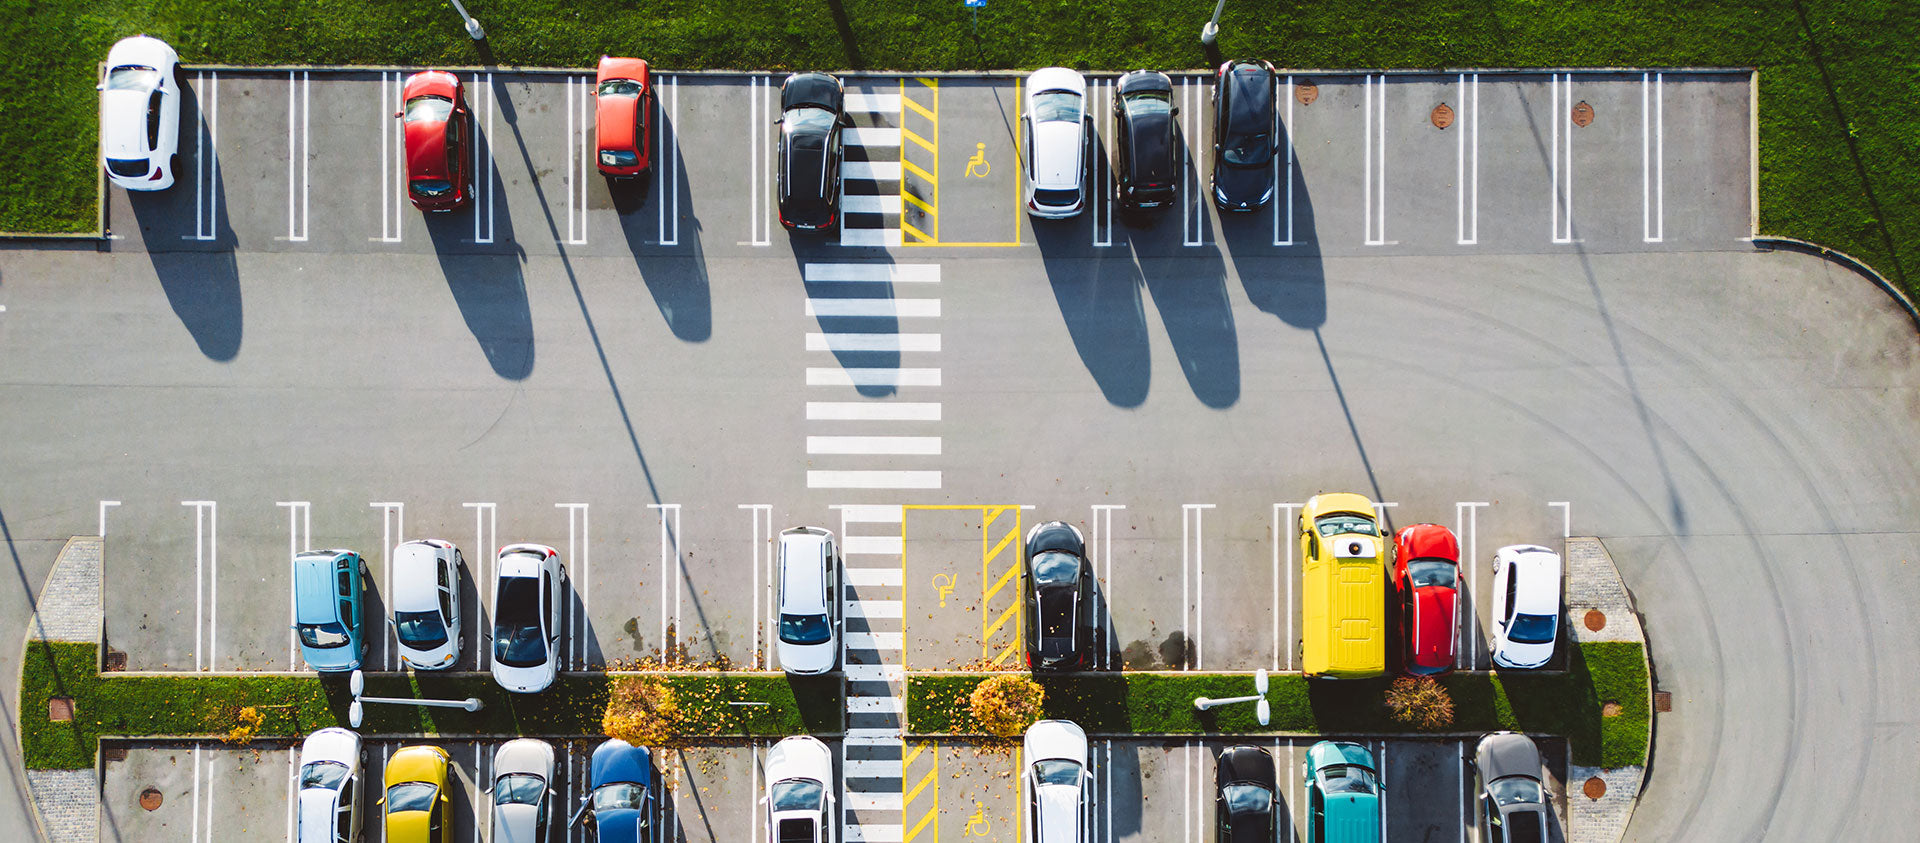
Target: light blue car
<point x="1343" y="794"/>
<point x="329" y="609"/>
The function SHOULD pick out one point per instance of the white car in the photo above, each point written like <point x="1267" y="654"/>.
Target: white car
<point x="1053" y="130"/>
<point x="527" y="591"/>
<point x="809" y="578"/>
<point x="1055" y="788"/>
<point x="522" y="787"/>
<point x="330" y="799"/>
<point x="799" y="800"/>
<point x="140" y="114"/>
<point x="426" y="603"/>
<point x="1526" y="605"/>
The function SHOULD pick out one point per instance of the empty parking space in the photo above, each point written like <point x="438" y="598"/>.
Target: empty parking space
<point x="963" y="587"/>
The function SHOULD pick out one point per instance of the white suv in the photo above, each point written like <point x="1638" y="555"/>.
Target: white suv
<point x="1526" y="605"/>
<point x="426" y="603"/>
<point x="799" y="801"/>
<point x="809" y="579"/>
<point x="1053" y="132"/>
<point x="1055" y="788"/>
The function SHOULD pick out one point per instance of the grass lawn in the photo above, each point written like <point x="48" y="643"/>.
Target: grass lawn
<point x="134" y="706"/>
<point x="1839" y="133"/>
<point x="1567" y="705"/>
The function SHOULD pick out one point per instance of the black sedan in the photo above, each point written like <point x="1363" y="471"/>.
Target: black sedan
<point x="1059" y="595"/>
<point x="1149" y="170"/>
<point x="808" y="181"/>
<point x="1245" y="132"/>
<point x="1243" y="802"/>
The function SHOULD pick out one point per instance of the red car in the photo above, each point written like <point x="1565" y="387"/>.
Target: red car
<point x="624" y="90"/>
<point x="1426" y="572"/>
<point x="439" y="131"/>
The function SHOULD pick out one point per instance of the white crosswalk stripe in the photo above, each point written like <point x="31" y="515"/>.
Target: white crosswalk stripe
<point x="870" y="204"/>
<point x="872" y="770"/>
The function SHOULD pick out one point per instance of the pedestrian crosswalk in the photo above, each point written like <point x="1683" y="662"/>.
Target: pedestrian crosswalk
<point x="870" y="202"/>
<point x="875" y="441"/>
<point x="871" y="780"/>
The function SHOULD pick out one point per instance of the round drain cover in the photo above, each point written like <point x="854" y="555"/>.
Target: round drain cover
<point x="1582" y="114"/>
<point x="1442" y="116"/>
<point x="1595" y="620"/>
<point x="1594" y="788"/>
<point x="1306" y="92"/>
<point x="150" y="798"/>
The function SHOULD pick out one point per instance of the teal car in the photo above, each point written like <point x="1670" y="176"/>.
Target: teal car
<point x="1343" y="794"/>
<point x="329" y="608"/>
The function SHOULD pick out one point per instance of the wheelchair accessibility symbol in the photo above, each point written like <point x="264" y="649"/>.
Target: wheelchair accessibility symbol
<point x="977" y="166"/>
<point x="943" y="583"/>
<point x="977" y="825"/>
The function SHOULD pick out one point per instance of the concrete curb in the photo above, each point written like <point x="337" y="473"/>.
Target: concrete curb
<point x="66" y="803"/>
<point x="1769" y="244"/>
<point x="1594" y="585"/>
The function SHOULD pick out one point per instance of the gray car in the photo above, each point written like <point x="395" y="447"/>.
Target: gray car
<point x="1513" y="804"/>
<point x="522" y="785"/>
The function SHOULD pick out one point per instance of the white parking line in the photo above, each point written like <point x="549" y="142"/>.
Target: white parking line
<point x="1467" y="167"/>
<point x="1193" y="565"/>
<point x="206" y="176"/>
<point x="486" y="521"/>
<point x="1285" y="174"/>
<point x="393" y="528"/>
<point x="299" y="152"/>
<point x="1462" y="790"/>
<point x="1283" y="538"/>
<point x="1562" y="167"/>
<point x="1374" y="154"/>
<point x="479" y="810"/>
<point x="579" y="142"/>
<point x="293" y="778"/>
<point x="1381" y="770"/>
<point x="393" y="156"/>
<point x="861" y="376"/>
<point x="760" y="551"/>
<point x="921" y="342"/>
<point x="206" y="583"/>
<point x="666" y="149"/>
<point x="875" y="445"/>
<point x="873" y="479"/>
<point x="859" y="204"/>
<point x="760" y="155"/>
<point x="483" y="168"/>
<point x="299" y="537"/>
<point x="870" y="136"/>
<point x="886" y="307"/>
<point x="880" y="273"/>
<point x="1102" y="525"/>
<point x="582" y="555"/>
<point x="1193" y="191"/>
<point x="1653" y="158"/>
<point x="1469" y="620"/>
<point x="1566" y="517"/>
<point x="1102" y="199"/>
<point x="873" y="103"/>
<point x="868" y="514"/>
<point x="863" y="411"/>
<point x="103" y="516"/>
<point x="670" y="574"/>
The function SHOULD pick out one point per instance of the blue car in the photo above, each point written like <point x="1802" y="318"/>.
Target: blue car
<point x="329" y="609"/>
<point x="620" y="804"/>
<point x="1343" y="794"/>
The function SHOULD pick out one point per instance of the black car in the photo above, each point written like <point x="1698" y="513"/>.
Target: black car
<point x="1245" y="132"/>
<point x="811" y="116"/>
<point x="1149" y="170"/>
<point x="1059" y="595"/>
<point x="1243" y="802"/>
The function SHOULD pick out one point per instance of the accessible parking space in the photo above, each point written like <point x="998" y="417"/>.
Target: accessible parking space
<point x="963" y="595"/>
<point x="966" y="189"/>
<point x="960" y="791"/>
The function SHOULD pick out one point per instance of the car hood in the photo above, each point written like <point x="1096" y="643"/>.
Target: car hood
<point x="526" y="680"/>
<point x="800" y="758"/>
<point x="515" y="823"/>
<point x="1055" y="739"/>
<point x="816" y="89"/>
<point x="1433" y="626"/>
<point x="1335" y="752"/>
<point x="618" y="761"/>
<point x="1242" y="185"/>
<point x="1512" y="654"/>
<point x="331" y="744"/>
<point x="142" y="49"/>
<point x="1507" y="754"/>
<point x="1428" y="541"/>
<point x="524" y="755"/>
<point x="1246" y="765"/>
<point x="1055" y="536"/>
<point x="806" y="658"/>
<point x="123" y="124"/>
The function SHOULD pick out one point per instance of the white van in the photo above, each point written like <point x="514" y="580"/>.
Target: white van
<point x="809" y="583"/>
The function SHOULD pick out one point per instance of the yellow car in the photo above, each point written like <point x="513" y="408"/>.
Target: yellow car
<point x="1343" y="588"/>
<point x="416" y="800"/>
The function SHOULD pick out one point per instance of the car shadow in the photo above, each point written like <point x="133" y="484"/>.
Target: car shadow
<point x="858" y="343"/>
<point x="1100" y="301"/>
<point x="490" y="290"/>
<point x="198" y="272"/>
<point x="676" y="277"/>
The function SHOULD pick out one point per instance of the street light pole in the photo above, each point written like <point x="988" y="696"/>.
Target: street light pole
<point x="1207" y="33"/>
<point x="358" y="683"/>
<point x="1263" y="711"/>
<point x="473" y="26"/>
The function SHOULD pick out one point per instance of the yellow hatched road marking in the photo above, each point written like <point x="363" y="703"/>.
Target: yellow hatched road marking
<point x="913" y="168"/>
<point x="921" y="109"/>
<point x="1005" y="654"/>
<point x="915" y="830"/>
<point x="916" y="201"/>
<point x="1001" y="583"/>
<point x="915" y="753"/>
<point x="989" y="515"/>
<point x="995" y="552"/>
<point x="997" y="623"/>
<point x="923" y="142"/>
<point x="931" y="778"/>
<point x="924" y="781"/>
<point x="907" y="228"/>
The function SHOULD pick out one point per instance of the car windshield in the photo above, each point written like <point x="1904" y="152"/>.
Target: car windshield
<point x="518" y="789"/>
<point x="410" y="796"/>
<point x="619" y="157"/>
<point x="1056" y="771"/>
<point x="420" y="630"/>
<point x="1055" y="568"/>
<point x="796" y="795"/>
<point x="1430" y="572"/>
<point x="805" y="629"/>
<point x="1056" y="198"/>
<point x="1248" y="149"/>
<point x="619" y="88"/>
<point x="516" y="630"/>
<point x="1063" y="106"/>
<point x="327" y="774"/>
<point x="430" y="187"/>
<point x="1346" y="778"/>
<point x="323" y="636"/>
<point x="1515" y="790"/>
<point x="1246" y="799"/>
<point x="1344" y="522"/>
<point x="431" y="108"/>
<point x="1526" y="827"/>
<point x="129" y="167"/>
<point x="1531" y="629"/>
<point x="1149" y="102"/>
<point x="613" y="797"/>
<point x="808" y="117"/>
<point x="132" y="77"/>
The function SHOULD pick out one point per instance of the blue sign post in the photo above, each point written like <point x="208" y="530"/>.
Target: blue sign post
<point x="974" y="6"/>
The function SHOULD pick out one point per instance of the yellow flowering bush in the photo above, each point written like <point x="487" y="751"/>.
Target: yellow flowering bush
<point x="246" y="724"/>
<point x="1007" y="704"/>
<point x="641" y="710"/>
<point x="1422" y="702"/>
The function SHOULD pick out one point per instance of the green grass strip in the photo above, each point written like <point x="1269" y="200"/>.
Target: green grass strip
<point x="1837" y="120"/>
<point x="187" y="705"/>
<point x="1568" y="705"/>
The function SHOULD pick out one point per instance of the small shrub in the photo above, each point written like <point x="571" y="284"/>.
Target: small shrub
<point x="246" y="724"/>
<point x="641" y="710"/>
<point x="1007" y="704"/>
<point x="1421" y="702"/>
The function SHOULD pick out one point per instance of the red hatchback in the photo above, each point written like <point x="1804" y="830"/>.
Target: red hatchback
<point x="439" y="129"/>
<point x="624" y="90"/>
<point x="1426" y="572"/>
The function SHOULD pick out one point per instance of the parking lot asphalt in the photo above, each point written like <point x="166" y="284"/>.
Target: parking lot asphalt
<point x="287" y="356"/>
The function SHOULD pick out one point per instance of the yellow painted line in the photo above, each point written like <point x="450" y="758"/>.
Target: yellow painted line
<point x="932" y="777"/>
<point x="962" y="244"/>
<point x="1002" y="583"/>
<point x="995" y="552"/>
<point x="927" y="81"/>
<point x="915" y="830"/>
<point x="904" y="649"/>
<point x="1019" y="157"/>
<point x="1001" y="621"/>
<point x="988" y="516"/>
<point x="907" y="228"/>
<point x="979" y="506"/>
<point x="918" y="203"/>
<point x="913" y="168"/>
<point x="1005" y="654"/>
<point x="922" y="110"/>
<point x="924" y="781"/>
<point x="917" y="749"/>
<point x="1015" y="780"/>
<point x="923" y="142"/>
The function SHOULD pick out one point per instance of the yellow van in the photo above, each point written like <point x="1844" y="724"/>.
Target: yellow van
<point x="1343" y="588"/>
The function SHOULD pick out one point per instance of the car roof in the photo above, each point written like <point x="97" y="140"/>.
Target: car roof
<point x="1059" y="812"/>
<point x="123" y="124"/>
<point x="416" y="582"/>
<point x="317" y="806"/>
<point x="1056" y="155"/>
<point x="1537" y="590"/>
<point x="803" y="580"/>
<point x="516" y="822"/>
<point x="427" y="149"/>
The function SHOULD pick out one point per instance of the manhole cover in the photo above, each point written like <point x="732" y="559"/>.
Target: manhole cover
<point x="60" y="709"/>
<point x="1306" y="92"/>
<point x="1594" y="788"/>
<point x="1662" y="700"/>
<point x="1582" y="114"/>
<point x="150" y="798"/>
<point x="1610" y="709"/>
<point x="116" y="660"/>
<point x="1596" y="619"/>
<point x="1442" y="116"/>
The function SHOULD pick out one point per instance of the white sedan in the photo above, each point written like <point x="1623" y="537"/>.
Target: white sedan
<point x="799" y="801"/>
<point x="1055" y="788"/>
<point x="140" y="114"/>
<point x="330" y="797"/>
<point x="1053" y="129"/>
<point x="526" y="617"/>
<point x="426" y="603"/>
<point x="522" y="785"/>
<point x="1526" y="605"/>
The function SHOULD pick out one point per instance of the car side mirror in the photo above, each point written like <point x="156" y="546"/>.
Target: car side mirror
<point x="396" y="114"/>
<point x="100" y="87"/>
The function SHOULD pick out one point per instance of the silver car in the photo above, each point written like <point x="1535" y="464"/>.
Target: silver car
<point x="1513" y="804"/>
<point x="522" y="791"/>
